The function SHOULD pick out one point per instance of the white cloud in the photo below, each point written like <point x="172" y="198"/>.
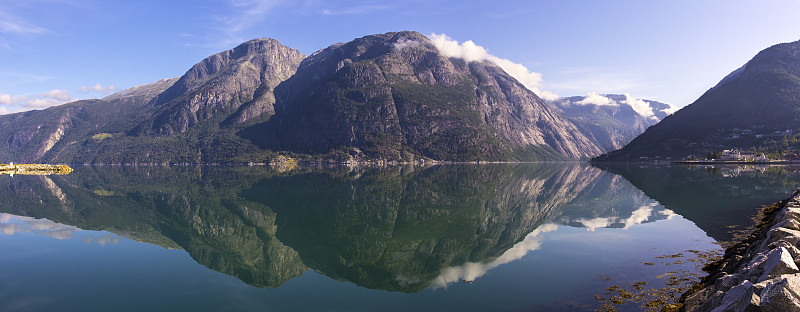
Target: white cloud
<point x="597" y="99"/>
<point x="671" y="109"/>
<point x="471" y="271"/>
<point x="5" y="99"/>
<point x="47" y="99"/>
<point x="11" y="224"/>
<point x="404" y="42"/>
<point x="638" y="216"/>
<point x="98" y="88"/>
<point x="471" y="52"/>
<point x="13" y="104"/>
<point x="57" y="94"/>
<point x="641" y="107"/>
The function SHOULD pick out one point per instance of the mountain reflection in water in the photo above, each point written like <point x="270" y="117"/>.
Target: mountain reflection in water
<point x="398" y="229"/>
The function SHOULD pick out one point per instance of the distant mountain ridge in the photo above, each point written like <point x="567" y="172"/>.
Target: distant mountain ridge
<point x="756" y="107"/>
<point x="389" y="96"/>
<point x="611" y="120"/>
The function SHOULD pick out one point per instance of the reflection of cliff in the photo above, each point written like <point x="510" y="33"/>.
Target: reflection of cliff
<point x="398" y="229"/>
<point x="195" y="209"/>
<point x="712" y="198"/>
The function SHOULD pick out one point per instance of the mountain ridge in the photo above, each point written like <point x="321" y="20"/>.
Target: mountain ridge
<point x="391" y="97"/>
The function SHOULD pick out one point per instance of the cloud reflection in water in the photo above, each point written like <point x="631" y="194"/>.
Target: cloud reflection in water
<point x="12" y="224"/>
<point x="471" y="271"/>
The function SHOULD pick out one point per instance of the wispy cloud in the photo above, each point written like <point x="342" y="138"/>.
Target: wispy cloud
<point x="239" y="16"/>
<point x="357" y="10"/>
<point x="471" y="52"/>
<point x="98" y="88"/>
<point x="10" y="24"/>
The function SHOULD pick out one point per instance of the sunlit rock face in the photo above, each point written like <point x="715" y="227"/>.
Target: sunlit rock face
<point x="235" y="85"/>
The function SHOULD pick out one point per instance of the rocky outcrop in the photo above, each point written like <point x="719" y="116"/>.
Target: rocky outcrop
<point x="760" y="273"/>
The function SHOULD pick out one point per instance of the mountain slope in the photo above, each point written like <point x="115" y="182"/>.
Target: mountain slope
<point x="613" y="121"/>
<point x="48" y="134"/>
<point x="395" y="96"/>
<point x="756" y="106"/>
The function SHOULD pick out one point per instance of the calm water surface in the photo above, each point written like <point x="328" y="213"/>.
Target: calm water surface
<point x="533" y="237"/>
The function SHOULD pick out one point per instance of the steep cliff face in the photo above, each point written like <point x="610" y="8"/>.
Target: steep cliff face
<point x="395" y="96"/>
<point x="233" y="87"/>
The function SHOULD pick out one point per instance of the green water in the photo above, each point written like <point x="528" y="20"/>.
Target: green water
<point x="528" y="237"/>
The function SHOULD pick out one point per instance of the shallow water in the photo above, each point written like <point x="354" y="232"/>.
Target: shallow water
<point x="529" y="237"/>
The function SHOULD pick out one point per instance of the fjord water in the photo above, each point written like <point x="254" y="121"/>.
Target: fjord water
<point x="526" y="237"/>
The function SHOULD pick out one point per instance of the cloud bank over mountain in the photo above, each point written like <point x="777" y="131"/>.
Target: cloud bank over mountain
<point x="471" y="52"/>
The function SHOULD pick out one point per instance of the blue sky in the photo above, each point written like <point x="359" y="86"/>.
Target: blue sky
<point x="54" y="51"/>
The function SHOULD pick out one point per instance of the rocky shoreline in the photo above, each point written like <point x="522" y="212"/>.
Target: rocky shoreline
<point x="758" y="274"/>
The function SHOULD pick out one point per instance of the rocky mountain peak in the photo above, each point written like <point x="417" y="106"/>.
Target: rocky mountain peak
<point x="234" y="85"/>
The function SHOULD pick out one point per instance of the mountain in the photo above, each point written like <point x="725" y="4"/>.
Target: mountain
<point x="611" y="120"/>
<point x="55" y="133"/>
<point x="756" y="107"/>
<point x="394" y="96"/>
<point x="388" y="96"/>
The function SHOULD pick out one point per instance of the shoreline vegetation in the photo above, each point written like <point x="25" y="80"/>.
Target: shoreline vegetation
<point x="34" y="169"/>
